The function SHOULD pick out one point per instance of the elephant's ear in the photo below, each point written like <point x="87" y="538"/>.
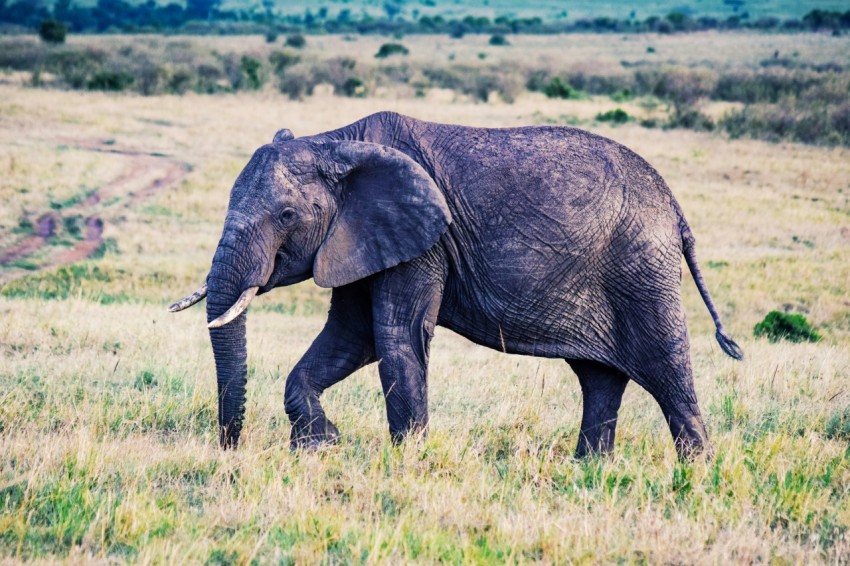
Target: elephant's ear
<point x="389" y="210"/>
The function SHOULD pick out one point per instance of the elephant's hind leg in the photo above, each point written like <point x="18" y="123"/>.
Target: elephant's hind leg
<point x="343" y="346"/>
<point x="672" y="386"/>
<point x="602" y="390"/>
<point x="662" y="366"/>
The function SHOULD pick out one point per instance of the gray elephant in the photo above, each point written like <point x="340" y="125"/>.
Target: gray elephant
<point x="544" y="241"/>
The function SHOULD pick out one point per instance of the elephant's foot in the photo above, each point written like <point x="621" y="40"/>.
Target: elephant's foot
<point x="690" y="437"/>
<point x="412" y="430"/>
<point x="316" y="433"/>
<point x="596" y="442"/>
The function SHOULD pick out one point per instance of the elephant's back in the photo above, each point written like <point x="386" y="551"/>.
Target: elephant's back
<point x="546" y="182"/>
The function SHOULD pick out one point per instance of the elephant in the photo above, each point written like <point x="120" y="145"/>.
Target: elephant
<point x="542" y="241"/>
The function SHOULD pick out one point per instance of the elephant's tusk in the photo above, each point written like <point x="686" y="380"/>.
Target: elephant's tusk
<point x="238" y="308"/>
<point x="192" y="299"/>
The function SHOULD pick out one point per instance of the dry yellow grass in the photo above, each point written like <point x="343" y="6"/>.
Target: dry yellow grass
<point x="108" y="451"/>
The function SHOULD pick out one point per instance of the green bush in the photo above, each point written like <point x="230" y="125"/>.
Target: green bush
<point x="499" y="40"/>
<point x="296" y="41"/>
<point x="814" y="123"/>
<point x="52" y="31"/>
<point x="616" y="116"/>
<point x="558" y="88"/>
<point x="389" y="49"/>
<point x="838" y="425"/>
<point x="75" y="66"/>
<point x="353" y="87"/>
<point x="110" y="80"/>
<point x="280" y="60"/>
<point x="251" y="70"/>
<point x="690" y="118"/>
<point x="622" y="95"/>
<point x="778" y="326"/>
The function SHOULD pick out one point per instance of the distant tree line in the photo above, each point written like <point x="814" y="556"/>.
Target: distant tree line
<point x="207" y="16"/>
<point x="782" y="99"/>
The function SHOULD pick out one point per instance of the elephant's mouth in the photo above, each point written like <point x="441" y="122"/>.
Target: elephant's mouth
<point x="282" y="274"/>
<point x="276" y="271"/>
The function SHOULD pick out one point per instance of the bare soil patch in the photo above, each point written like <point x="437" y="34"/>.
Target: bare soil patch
<point x="123" y="191"/>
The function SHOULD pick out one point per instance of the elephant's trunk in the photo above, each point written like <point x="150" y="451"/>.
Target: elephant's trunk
<point x="243" y="262"/>
<point x="238" y="267"/>
<point x="230" y="352"/>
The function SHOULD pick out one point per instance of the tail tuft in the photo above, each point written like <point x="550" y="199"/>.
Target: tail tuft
<point x="729" y="346"/>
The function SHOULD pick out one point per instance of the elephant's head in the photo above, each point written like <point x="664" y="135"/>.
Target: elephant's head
<point x="337" y="211"/>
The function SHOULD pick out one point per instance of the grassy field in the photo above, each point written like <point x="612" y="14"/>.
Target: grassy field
<point x="108" y="450"/>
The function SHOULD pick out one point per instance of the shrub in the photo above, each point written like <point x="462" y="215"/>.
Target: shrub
<point x="690" y="118"/>
<point x="457" y="30"/>
<point x="280" y="60"/>
<point x="838" y="426"/>
<point x="296" y="41"/>
<point x="20" y="55"/>
<point x="616" y="116"/>
<point x="52" y="31"/>
<point x="809" y="123"/>
<point x="150" y="78"/>
<point x="298" y="81"/>
<point x="499" y="40"/>
<point x="271" y="36"/>
<point x="622" y="95"/>
<point x="251" y="69"/>
<point x="558" y="88"/>
<point x="110" y="80"/>
<point x="389" y="49"/>
<point x="778" y="326"/>
<point x="75" y="66"/>
<point x="353" y="87"/>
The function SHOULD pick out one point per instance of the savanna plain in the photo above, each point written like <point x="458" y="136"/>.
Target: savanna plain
<point x="110" y="208"/>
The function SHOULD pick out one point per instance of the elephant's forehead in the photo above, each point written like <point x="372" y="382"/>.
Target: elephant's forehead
<point x="283" y="176"/>
<point x="289" y="178"/>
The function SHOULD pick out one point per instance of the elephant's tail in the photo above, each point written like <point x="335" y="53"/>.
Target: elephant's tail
<point x="688" y="247"/>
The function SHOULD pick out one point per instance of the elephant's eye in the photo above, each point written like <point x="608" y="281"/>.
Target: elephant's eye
<point x="288" y="213"/>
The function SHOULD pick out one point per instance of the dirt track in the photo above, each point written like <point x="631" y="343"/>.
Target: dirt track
<point x="122" y="192"/>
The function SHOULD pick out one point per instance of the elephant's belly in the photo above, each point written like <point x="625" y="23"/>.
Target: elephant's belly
<point x="542" y="325"/>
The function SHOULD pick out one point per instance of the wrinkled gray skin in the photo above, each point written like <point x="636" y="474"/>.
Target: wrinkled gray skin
<point x="545" y="241"/>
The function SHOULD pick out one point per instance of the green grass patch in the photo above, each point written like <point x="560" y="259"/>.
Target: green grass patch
<point x="25" y="263"/>
<point x="84" y="279"/>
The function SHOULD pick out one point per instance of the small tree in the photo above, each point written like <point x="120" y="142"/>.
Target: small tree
<point x="388" y="49"/>
<point x="499" y="40"/>
<point x="52" y="31"/>
<point x="296" y="41"/>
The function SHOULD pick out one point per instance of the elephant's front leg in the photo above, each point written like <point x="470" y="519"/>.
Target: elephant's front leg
<point x="406" y="302"/>
<point x="344" y="346"/>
